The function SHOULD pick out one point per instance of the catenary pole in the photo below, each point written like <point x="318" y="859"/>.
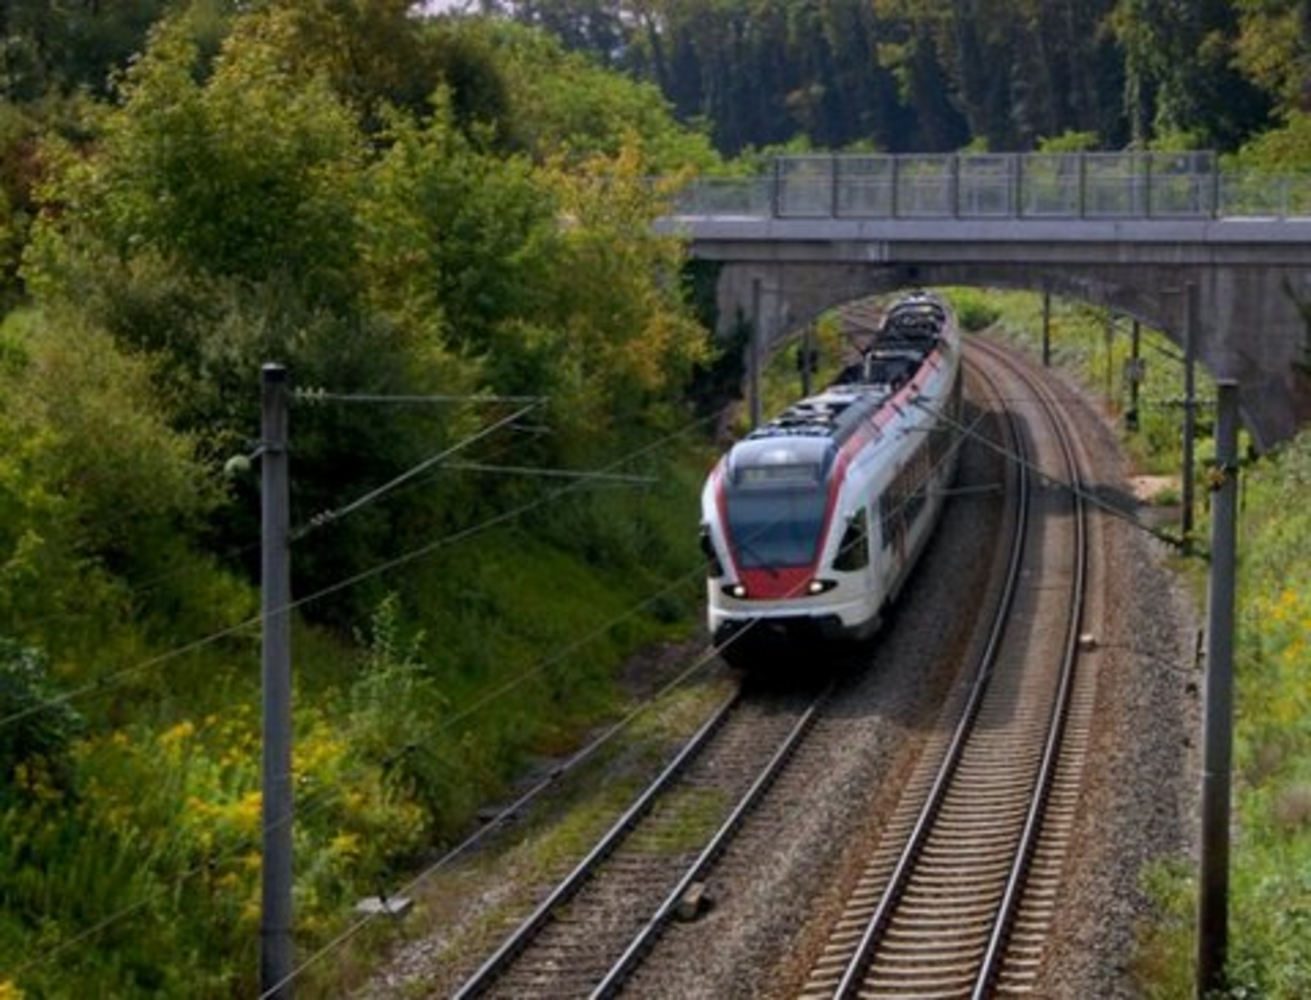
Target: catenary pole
<point x="1190" y="410"/>
<point x="1217" y="758"/>
<point x="276" y="955"/>
<point x="1046" y="329"/>
<point x="756" y="354"/>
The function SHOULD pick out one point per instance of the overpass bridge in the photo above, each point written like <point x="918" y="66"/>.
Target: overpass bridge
<point x="1220" y="262"/>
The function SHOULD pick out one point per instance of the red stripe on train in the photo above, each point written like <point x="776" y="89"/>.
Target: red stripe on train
<point x="776" y="584"/>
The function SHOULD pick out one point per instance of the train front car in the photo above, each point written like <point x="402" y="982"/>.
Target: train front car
<point x="811" y="522"/>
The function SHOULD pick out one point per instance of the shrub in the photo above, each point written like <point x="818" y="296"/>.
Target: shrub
<point x="36" y="723"/>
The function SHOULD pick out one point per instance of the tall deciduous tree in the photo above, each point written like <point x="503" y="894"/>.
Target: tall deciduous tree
<point x="1274" y="49"/>
<point x="1182" y="83"/>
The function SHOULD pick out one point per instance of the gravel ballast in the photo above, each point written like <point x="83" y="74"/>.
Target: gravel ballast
<point x="772" y="897"/>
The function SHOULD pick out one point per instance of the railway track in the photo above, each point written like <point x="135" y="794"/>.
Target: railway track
<point x="957" y="900"/>
<point x="594" y="928"/>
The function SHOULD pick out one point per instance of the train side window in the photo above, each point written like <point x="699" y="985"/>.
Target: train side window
<point x="890" y="509"/>
<point x="853" y="552"/>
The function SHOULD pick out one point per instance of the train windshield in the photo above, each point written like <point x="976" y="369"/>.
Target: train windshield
<point x="775" y="527"/>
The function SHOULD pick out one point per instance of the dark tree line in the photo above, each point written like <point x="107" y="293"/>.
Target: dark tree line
<point x="926" y="75"/>
<point x="894" y="75"/>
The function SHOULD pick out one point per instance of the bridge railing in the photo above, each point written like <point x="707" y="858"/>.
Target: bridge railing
<point x="1135" y="185"/>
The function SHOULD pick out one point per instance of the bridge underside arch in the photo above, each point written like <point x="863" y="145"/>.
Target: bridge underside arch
<point x="1250" y="324"/>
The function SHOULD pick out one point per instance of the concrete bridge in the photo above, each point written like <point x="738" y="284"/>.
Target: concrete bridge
<point x="1220" y="263"/>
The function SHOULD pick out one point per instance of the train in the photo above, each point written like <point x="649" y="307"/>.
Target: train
<point x="812" y="522"/>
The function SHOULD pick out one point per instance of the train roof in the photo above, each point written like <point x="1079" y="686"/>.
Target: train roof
<point x="805" y="433"/>
<point x="912" y="329"/>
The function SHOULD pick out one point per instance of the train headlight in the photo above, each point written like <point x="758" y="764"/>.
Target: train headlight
<point x="736" y="590"/>
<point x="820" y="586"/>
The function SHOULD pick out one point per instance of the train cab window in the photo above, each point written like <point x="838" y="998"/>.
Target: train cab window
<point x="775" y="526"/>
<point x="853" y="552"/>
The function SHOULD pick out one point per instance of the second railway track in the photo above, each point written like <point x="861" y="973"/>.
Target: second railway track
<point x="956" y="901"/>
<point x="587" y="935"/>
<point x="957" y="897"/>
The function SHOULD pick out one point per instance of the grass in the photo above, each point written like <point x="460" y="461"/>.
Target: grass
<point x="487" y="656"/>
<point x="476" y="901"/>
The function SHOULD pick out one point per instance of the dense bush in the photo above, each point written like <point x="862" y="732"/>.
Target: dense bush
<point x="256" y="200"/>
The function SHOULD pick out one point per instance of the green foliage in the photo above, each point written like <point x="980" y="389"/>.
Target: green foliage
<point x="974" y="310"/>
<point x="247" y="199"/>
<point x="245" y="174"/>
<point x="397" y="709"/>
<point x="455" y="240"/>
<point x="1164" y="961"/>
<point x="564" y="105"/>
<point x="1271" y="49"/>
<point x="18" y="141"/>
<point x="1070" y="142"/>
<point x="38" y="727"/>
<point x="62" y="47"/>
<point x="1282" y="150"/>
<point x="1181" y="78"/>
<point x="95" y="489"/>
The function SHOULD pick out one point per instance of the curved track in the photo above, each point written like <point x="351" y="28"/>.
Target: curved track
<point x="956" y="901"/>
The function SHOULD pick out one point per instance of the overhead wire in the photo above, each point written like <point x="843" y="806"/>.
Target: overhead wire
<point x="62" y="947"/>
<point x="1092" y="498"/>
<point x="213" y="861"/>
<point x="480" y="703"/>
<point x="122" y="674"/>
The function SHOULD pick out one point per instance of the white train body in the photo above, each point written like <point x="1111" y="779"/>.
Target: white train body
<point x="812" y="522"/>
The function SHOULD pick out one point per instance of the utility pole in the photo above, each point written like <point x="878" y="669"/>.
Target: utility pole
<point x="1190" y="409"/>
<point x="1135" y="376"/>
<point x="805" y="360"/>
<point x="1217" y="758"/>
<point x="757" y="351"/>
<point x="1046" y="329"/>
<point x="276" y="919"/>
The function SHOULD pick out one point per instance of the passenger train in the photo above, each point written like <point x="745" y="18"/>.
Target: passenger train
<point x="812" y="522"/>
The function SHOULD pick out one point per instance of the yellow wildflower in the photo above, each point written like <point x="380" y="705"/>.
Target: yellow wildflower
<point x="246" y="812"/>
<point x="347" y="845"/>
<point x="183" y="731"/>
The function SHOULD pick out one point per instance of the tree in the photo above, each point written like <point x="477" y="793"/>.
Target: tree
<point x="1180" y="77"/>
<point x="564" y="104"/>
<point x="1274" y="50"/>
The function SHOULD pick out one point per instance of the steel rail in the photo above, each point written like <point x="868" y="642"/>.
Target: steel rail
<point x="877" y="926"/>
<point x="994" y="954"/>
<point x="516" y="942"/>
<point x="646" y="937"/>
